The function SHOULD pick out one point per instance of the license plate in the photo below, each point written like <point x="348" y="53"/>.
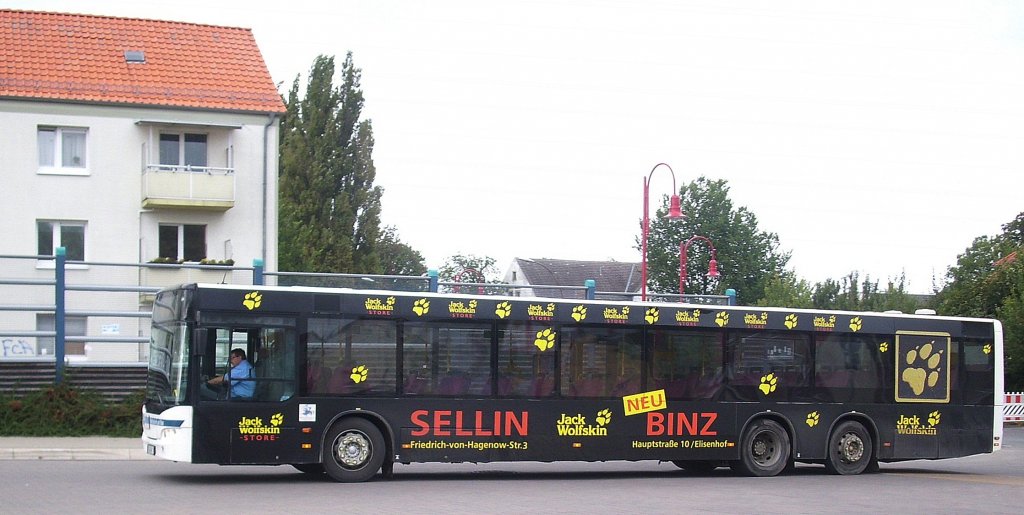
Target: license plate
<point x="151" y="449"/>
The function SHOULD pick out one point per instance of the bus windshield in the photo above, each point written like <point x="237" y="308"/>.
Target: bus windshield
<point x="168" y="354"/>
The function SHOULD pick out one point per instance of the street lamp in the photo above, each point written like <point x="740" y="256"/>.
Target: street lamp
<point x="674" y="213"/>
<point x="683" y="248"/>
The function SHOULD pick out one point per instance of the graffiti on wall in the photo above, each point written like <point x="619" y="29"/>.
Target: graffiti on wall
<point x="17" y="348"/>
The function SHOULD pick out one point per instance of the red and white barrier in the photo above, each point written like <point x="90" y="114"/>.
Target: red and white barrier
<point x="1013" y="407"/>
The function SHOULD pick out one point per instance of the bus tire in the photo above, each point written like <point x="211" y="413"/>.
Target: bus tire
<point x="849" y="449"/>
<point x="353" y="451"/>
<point x="764" y="449"/>
<point x="696" y="466"/>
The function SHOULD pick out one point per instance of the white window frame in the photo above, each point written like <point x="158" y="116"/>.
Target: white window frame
<point x="56" y="166"/>
<point x="56" y="242"/>
<point x="180" y="165"/>
<point x="180" y="228"/>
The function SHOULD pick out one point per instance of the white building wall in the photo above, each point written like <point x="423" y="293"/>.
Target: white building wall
<point x="108" y="198"/>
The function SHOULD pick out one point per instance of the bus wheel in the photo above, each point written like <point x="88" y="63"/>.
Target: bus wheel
<point x="696" y="466"/>
<point x="354" y="450"/>
<point x="764" y="449"/>
<point x="849" y="449"/>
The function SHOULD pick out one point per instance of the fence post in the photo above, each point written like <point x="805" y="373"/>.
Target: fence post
<point x="58" y="314"/>
<point x="257" y="272"/>
<point x="591" y="288"/>
<point x="731" y="293"/>
<point x="432" y="278"/>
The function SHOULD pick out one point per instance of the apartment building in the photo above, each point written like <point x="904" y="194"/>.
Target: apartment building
<point x="130" y="140"/>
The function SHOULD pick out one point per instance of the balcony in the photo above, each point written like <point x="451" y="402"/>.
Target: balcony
<point x="188" y="187"/>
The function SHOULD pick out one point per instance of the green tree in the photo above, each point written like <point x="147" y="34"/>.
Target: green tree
<point x="397" y="258"/>
<point x="468" y="268"/>
<point x="329" y="208"/>
<point x="988" y="281"/>
<point x="786" y="290"/>
<point x="747" y="257"/>
<point x="852" y="294"/>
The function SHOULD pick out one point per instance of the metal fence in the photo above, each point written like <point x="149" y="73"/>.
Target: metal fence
<point x="56" y="310"/>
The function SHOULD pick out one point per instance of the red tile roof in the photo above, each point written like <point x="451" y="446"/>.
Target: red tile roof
<point x="81" y="58"/>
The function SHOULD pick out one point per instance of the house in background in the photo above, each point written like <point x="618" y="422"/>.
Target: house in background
<point x="131" y="140"/>
<point x="615" y="279"/>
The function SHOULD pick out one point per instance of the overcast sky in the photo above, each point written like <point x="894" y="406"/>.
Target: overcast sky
<point x="877" y="136"/>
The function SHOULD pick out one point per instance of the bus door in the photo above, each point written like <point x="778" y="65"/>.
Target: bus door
<point x="245" y="420"/>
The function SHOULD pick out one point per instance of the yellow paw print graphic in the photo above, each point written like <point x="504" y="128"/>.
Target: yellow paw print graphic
<point x="421" y="307"/>
<point x="933" y="418"/>
<point x="391" y="301"/>
<point x="359" y="374"/>
<point x="252" y="300"/>
<point x="856" y="324"/>
<point x="579" y="313"/>
<point x="276" y="419"/>
<point x="813" y="418"/>
<point x="790" y="321"/>
<point x="768" y="383"/>
<point x="503" y="309"/>
<point x="545" y="339"/>
<point x="604" y="417"/>
<point x="926" y="371"/>
<point x="987" y="349"/>
<point x="625" y="310"/>
<point x="883" y="347"/>
<point x="472" y="304"/>
<point x="652" y="315"/>
<point x="722" y="319"/>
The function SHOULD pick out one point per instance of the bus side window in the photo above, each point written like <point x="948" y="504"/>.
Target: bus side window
<point x="526" y="368"/>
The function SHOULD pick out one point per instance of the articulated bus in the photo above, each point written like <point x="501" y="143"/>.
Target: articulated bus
<point x="349" y="382"/>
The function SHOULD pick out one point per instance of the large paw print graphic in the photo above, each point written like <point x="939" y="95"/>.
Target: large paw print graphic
<point x="359" y="374"/>
<point x="652" y="315"/>
<point x="503" y="309"/>
<point x="252" y="300"/>
<point x="933" y="418"/>
<point x="790" y="321"/>
<point x="813" y="418"/>
<point x="421" y="307"/>
<point x="604" y="417"/>
<point x="545" y="339"/>
<point x="276" y="419"/>
<point x="924" y="368"/>
<point x="883" y="347"/>
<point x="722" y="319"/>
<point x="768" y="383"/>
<point x="987" y="349"/>
<point x="856" y="324"/>
<point x="579" y="313"/>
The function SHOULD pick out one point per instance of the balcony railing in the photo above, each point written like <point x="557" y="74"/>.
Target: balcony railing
<point x="188" y="187"/>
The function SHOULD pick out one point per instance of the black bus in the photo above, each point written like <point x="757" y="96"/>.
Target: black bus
<point x="349" y="382"/>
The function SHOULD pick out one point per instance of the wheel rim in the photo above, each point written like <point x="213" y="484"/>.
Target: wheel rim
<point x="352" y="449"/>
<point x="851" y="448"/>
<point x="764" y="448"/>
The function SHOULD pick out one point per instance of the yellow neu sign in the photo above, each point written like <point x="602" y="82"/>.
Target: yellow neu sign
<point x="644" y="402"/>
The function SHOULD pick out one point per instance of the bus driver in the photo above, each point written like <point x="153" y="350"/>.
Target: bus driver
<point x="237" y="379"/>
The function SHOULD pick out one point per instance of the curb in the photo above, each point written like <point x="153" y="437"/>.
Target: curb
<point x="74" y="454"/>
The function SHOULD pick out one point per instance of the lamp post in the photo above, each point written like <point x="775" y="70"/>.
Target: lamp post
<point x="674" y="213"/>
<point x="683" y="249"/>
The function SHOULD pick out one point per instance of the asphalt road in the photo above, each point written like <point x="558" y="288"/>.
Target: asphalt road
<point x="978" y="484"/>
